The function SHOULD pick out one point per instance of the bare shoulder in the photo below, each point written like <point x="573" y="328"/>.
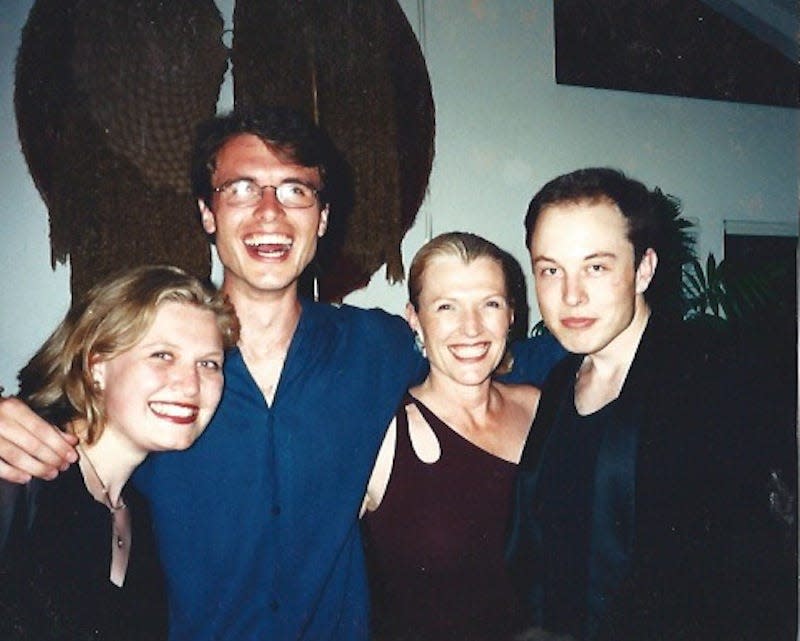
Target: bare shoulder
<point x="523" y="397"/>
<point x="519" y="409"/>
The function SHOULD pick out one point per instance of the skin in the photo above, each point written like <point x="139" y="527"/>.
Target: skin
<point x="261" y="282"/>
<point x="30" y="446"/>
<point x="463" y="318"/>
<point x="160" y="394"/>
<point x="590" y="292"/>
<point x="266" y="247"/>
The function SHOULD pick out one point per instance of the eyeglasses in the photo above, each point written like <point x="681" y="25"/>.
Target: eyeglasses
<point x="245" y="192"/>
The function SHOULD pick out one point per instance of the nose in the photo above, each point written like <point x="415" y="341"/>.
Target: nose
<point x="471" y="322"/>
<point x="186" y="379"/>
<point x="574" y="292"/>
<point x="268" y="208"/>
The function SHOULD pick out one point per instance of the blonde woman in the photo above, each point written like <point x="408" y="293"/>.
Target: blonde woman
<point x="134" y="368"/>
<point x="440" y="495"/>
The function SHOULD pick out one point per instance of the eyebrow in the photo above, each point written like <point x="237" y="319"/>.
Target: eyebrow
<point x="600" y="255"/>
<point x="595" y="256"/>
<point x="288" y="179"/>
<point x="171" y="345"/>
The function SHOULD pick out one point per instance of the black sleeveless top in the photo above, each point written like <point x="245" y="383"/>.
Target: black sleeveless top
<point x="435" y="544"/>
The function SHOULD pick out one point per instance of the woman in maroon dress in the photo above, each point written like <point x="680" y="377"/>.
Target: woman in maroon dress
<point x="438" y="501"/>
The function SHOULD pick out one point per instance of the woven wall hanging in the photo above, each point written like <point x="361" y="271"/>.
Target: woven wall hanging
<point x="108" y="94"/>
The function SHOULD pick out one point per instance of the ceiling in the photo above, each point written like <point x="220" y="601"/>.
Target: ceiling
<point x="776" y="22"/>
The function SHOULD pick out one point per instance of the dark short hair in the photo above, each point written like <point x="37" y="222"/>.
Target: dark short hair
<point x="653" y="220"/>
<point x="289" y="133"/>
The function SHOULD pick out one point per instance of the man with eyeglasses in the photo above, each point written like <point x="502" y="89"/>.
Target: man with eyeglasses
<point x="257" y="524"/>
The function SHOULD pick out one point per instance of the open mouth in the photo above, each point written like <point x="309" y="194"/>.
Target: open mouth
<point x="470" y="352"/>
<point x="182" y="413"/>
<point x="268" y="245"/>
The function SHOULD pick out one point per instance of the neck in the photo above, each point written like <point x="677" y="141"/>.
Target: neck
<point x="266" y="319"/>
<point x="614" y="360"/>
<point x="267" y="324"/>
<point x="241" y="292"/>
<point x="446" y="397"/>
<point x="266" y="330"/>
<point x="113" y="461"/>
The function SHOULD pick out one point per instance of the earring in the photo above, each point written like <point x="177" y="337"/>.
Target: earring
<point x="96" y="386"/>
<point x="419" y="345"/>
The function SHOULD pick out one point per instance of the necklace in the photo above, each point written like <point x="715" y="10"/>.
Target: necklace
<point x="120" y="525"/>
<point x="106" y="496"/>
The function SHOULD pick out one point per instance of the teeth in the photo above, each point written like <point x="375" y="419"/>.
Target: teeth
<point x="470" y="351"/>
<point x="173" y="410"/>
<point x="267" y="239"/>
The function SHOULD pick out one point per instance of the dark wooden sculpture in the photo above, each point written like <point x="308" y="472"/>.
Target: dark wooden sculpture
<point x="108" y="95"/>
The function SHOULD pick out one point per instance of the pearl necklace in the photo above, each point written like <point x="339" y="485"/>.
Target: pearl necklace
<point x="120" y="525"/>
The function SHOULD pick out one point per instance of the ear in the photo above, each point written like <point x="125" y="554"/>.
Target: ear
<point x="97" y="369"/>
<point x="207" y="217"/>
<point x="413" y="319"/>
<point x="646" y="270"/>
<point x="323" y="221"/>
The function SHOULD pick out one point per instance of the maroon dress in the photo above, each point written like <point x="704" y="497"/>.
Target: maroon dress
<point x="435" y="544"/>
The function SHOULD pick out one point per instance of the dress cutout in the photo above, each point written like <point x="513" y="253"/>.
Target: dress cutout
<point x="435" y="545"/>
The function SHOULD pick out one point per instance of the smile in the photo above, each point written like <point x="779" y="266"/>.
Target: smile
<point x="182" y="413"/>
<point x="470" y="352"/>
<point x="269" y="245"/>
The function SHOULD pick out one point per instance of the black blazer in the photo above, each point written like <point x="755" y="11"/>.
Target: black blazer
<point x="675" y="490"/>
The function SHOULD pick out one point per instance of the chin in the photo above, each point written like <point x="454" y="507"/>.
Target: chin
<point x="178" y="443"/>
<point x="578" y="345"/>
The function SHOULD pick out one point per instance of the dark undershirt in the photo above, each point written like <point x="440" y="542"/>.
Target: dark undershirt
<point x="566" y="491"/>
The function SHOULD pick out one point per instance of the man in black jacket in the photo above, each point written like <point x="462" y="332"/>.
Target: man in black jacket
<point x="635" y="487"/>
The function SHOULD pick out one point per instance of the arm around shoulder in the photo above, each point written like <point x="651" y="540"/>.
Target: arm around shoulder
<point x="30" y="446"/>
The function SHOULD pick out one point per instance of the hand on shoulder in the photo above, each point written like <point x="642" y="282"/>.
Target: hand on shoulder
<point x="30" y="446"/>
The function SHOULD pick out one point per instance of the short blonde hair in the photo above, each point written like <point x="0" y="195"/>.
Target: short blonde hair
<point x="108" y="320"/>
<point x="468" y="247"/>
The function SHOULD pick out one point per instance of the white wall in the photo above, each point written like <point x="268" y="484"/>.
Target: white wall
<point x="503" y="129"/>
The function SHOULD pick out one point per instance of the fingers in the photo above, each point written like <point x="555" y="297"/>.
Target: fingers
<point x="12" y="474"/>
<point x="30" y="446"/>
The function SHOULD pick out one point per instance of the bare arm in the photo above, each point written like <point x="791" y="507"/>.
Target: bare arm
<point x="379" y="480"/>
<point x="30" y="446"/>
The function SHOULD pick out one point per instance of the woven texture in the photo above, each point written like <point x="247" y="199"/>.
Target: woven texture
<point x="108" y="95"/>
<point x="357" y="68"/>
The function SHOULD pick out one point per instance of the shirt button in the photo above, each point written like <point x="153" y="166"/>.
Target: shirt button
<point x="273" y="605"/>
<point x="276" y="510"/>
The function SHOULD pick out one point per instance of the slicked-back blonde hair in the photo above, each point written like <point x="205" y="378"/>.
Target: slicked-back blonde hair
<point x="468" y="247"/>
<point x="108" y="320"/>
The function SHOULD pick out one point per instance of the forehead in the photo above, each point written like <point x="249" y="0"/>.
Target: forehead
<point x="447" y="274"/>
<point x="580" y="228"/>
<point x="247" y="153"/>
<point x="181" y="321"/>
